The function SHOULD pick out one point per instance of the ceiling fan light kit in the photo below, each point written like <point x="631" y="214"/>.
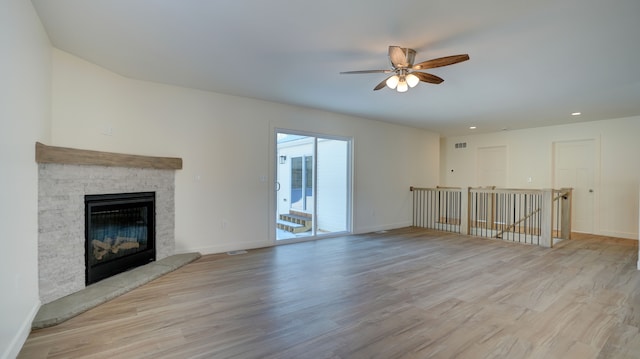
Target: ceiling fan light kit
<point x="402" y="86"/>
<point x="412" y="80"/>
<point x="405" y="74"/>
<point x="392" y="81"/>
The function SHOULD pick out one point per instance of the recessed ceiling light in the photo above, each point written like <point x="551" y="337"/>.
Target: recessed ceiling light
<point x="576" y="113"/>
<point x="472" y="127"/>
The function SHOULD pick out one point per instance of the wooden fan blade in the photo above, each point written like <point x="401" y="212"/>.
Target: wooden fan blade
<point x="382" y="84"/>
<point x="366" y="72"/>
<point x="441" y="61"/>
<point x="425" y="77"/>
<point x="397" y="57"/>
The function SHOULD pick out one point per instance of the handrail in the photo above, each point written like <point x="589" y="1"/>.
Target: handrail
<point x="506" y="190"/>
<point x="562" y="193"/>
<point x="513" y="225"/>
<point x="412" y="188"/>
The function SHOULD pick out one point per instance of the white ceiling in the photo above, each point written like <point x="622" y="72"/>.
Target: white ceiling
<point x="533" y="62"/>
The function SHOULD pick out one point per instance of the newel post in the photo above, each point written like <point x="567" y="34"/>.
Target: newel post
<point x="464" y="210"/>
<point x="546" y="228"/>
<point x="567" y="199"/>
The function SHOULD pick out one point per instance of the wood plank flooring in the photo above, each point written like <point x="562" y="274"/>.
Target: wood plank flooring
<point x="407" y="293"/>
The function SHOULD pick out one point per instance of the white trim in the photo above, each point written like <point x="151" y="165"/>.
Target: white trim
<point x="383" y="227"/>
<point x="21" y="336"/>
<point x="312" y="238"/>
<point x="627" y="235"/>
<point x="230" y="247"/>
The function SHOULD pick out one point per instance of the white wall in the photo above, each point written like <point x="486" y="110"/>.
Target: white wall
<point x="25" y="70"/>
<point x="227" y="144"/>
<point x="530" y="154"/>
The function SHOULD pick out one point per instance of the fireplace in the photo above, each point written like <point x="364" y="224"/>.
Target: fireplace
<point x="65" y="177"/>
<point x="119" y="233"/>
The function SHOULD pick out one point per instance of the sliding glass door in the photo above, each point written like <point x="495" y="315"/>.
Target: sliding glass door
<point x="313" y="185"/>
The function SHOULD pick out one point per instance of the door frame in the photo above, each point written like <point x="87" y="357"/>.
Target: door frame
<point x="273" y="196"/>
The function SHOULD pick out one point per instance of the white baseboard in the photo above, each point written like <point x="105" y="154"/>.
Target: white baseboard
<point x="616" y="234"/>
<point x="382" y="228"/>
<point x="228" y="247"/>
<point x="21" y="336"/>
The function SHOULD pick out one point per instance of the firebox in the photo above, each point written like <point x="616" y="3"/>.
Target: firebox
<point x="119" y="233"/>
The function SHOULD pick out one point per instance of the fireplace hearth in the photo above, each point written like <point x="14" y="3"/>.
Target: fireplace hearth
<point x="119" y="233"/>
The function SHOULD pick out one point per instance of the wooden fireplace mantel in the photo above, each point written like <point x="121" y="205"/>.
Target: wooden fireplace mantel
<point x="64" y="155"/>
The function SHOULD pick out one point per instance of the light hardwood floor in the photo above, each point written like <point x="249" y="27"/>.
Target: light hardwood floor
<point x="408" y="293"/>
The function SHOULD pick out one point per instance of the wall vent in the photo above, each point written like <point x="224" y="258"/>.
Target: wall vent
<point x="235" y="253"/>
<point x="461" y="145"/>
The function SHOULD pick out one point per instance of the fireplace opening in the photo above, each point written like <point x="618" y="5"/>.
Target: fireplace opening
<point x="119" y="233"/>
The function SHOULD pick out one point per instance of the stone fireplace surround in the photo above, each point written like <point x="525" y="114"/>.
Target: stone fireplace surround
<point x="65" y="176"/>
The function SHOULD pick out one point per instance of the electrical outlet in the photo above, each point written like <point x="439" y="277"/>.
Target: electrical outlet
<point x="106" y="130"/>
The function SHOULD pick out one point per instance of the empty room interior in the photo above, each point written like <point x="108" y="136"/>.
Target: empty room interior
<point x="298" y="179"/>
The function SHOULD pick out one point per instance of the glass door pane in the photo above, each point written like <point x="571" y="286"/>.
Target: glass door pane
<point x="294" y="186"/>
<point x="296" y="183"/>
<point x="302" y="176"/>
<point x="332" y="186"/>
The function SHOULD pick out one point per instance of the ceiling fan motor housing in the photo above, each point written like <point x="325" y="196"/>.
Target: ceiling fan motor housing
<point x="409" y="55"/>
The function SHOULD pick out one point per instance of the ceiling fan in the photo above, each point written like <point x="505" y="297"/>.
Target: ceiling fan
<point x="405" y="73"/>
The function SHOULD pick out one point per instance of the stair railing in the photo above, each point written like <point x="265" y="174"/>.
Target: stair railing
<point x="508" y="214"/>
<point x="539" y="217"/>
<point x="437" y="208"/>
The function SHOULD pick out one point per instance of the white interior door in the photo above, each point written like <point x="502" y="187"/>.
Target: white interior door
<point x="574" y="166"/>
